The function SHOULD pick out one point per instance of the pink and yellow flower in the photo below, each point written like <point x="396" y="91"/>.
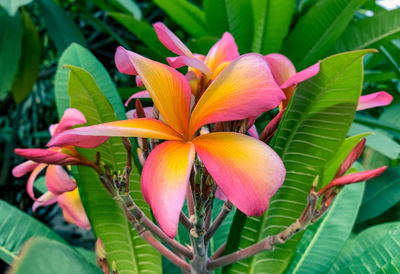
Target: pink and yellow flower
<point x="61" y="187"/>
<point x="245" y="169"/>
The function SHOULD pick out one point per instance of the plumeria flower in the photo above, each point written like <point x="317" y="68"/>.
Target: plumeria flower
<point x="246" y="170"/>
<point x="200" y="66"/>
<point x="61" y="187"/>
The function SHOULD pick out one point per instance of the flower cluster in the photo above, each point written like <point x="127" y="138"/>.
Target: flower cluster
<point x="201" y="116"/>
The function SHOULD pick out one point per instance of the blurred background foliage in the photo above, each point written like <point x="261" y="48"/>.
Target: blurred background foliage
<point x="34" y="34"/>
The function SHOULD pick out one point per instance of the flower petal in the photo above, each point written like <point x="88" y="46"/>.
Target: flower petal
<point x="301" y="76"/>
<point x="180" y="61"/>
<point x="168" y="88"/>
<point x="46" y="199"/>
<point x="353" y="178"/>
<point x="70" y="118"/>
<point x="248" y="171"/>
<point x="252" y="131"/>
<point x="244" y="88"/>
<point x="224" y="50"/>
<point x="140" y="94"/>
<point x="170" y="40"/>
<point x="24" y="168"/>
<point x="143" y="127"/>
<point x="281" y="67"/>
<point x="354" y="154"/>
<point x="123" y="62"/>
<point x="32" y="178"/>
<point x="164" y="182"/>
<point x="373" y="100"/>
<point x="139" y="82"/>
<point x="58" y="180"/>
<point x="48" y="156"/>
<point x="73" y="210"/>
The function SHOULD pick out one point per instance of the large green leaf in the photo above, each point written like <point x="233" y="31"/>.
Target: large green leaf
<point x="240" y="22"/>
<point x="379" y="141"/>
<point x="122" y="243"/>
<point x="10" y="49"/>
<point x="312" y="130"/>
<point x="186" y="15"/>
<point x="11" y="6"/>
<point x="370" y="31"/>
<point x="272" y="20"/>
<point x="77" y="55"/>
<point x="381" y="194"/>
<point x="29" y="63"/>
<point x="45" y="256"/>
<point x="319" y="253"/>
<point x="216" y="17"/>
<point x="318" y="30"/>
<point x="16" y="227"/>
<point x="373" y="250"/>
<point x="144" y="31"/>
<point x="60" y="27"/>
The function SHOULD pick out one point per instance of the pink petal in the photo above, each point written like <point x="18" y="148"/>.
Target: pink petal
<point x="225" y="50"/>
<point x="252" y="131"/>
<point x="248" y="171"/>
<point x="73" y="210"/>
<point x="46" y="199"/>
<point x="165" y="180"/>
<point x="58" y="181"/>
<point x="271" y="127"/>
<point x="354" y="154"/>
<point x="376" y="99"/>
<point x="140" y="94"/>
<point x="301" y="76"/>
<point x="353" y="178"/>
<point x="244" y="89"/>
<point x="281" y="67"/>
<point x="32" y="178"/>
<point x="139" y="81"/>
<point x="170" y="40"/>
<point x="142" y="127"/>
<point x="148" y="111"/>
<point x="24" y="168"/>
<point x="220" y="195"/>
<point x="180" y="61"/>
<point x="123" y="62"/>
<point x="48" y="156"/>
<point x="71" y="117"/>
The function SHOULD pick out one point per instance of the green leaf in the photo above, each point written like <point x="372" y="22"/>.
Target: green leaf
<point x="374" y="249"/>
<point x="381" y="193"/>
<point x="392" y="54"/>
<point x="313" y="129"/>
<point x="77" y="55"/>
<point x="319" y="252"/>
<point x="317" y="31"/>
<point x="390" y="117"/>
<point x="11" y="6"/>
<point x="379" y="76"/>
<point x="60" y="27"/>
<point x="144" y="31"/>
<point x="370" y="32"/>
<point x="122" y="243"/>
<point x="45" y="256"/>
<point x="379" y="141"/>
<point x="333" y="165"/>
<point x="203" y="44"/>
<point x="272" y="19"/>
<point x="29" y="63"/>
<point x="131" y="7"/>
<point x="186" y="15"/>
<point x="240" y="22"/>
<point x="16" y="228"/>
<point x="10" y="49"/>
<point x="216" y="17"/>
